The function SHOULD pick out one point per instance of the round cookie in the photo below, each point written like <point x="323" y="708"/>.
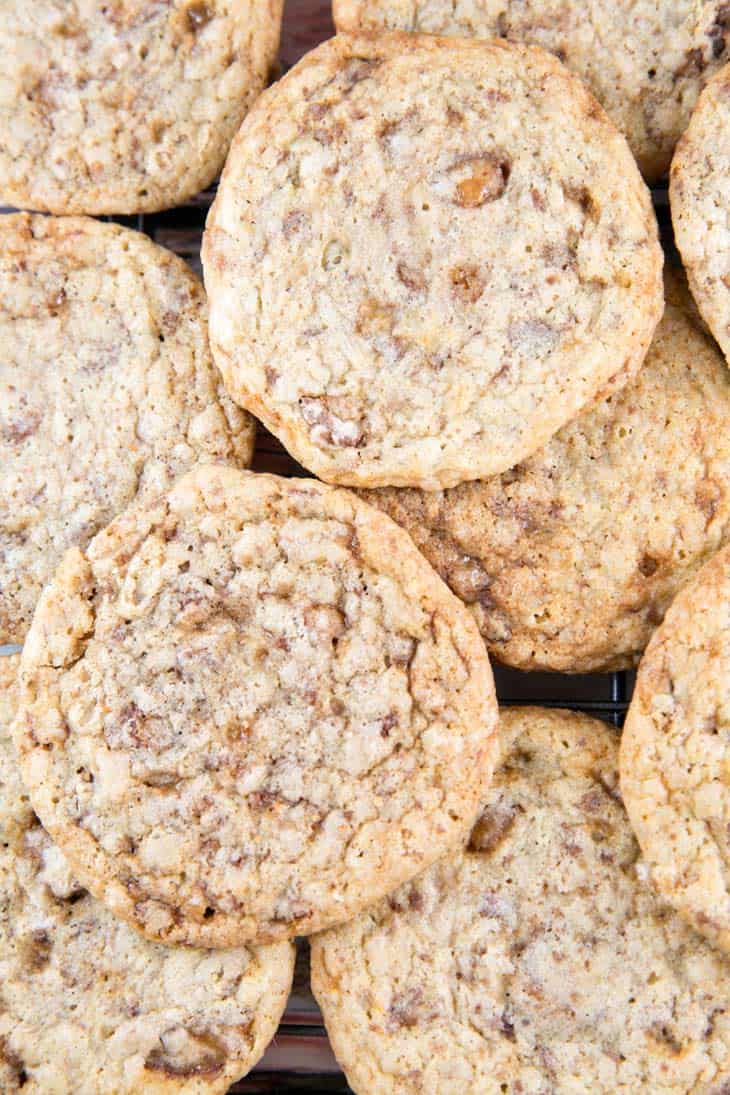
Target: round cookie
<point x="425" y="256"/>
<point x="91" y="1008"/>
<point x="122" y="106"/>
<point x="107" y="389"/>
<point x="251" y="708"/>
<point x="570" y="560"/>
<point x="699" y="192"/>
<point x="536" y="961"/>
<point x="675" y="757"/>
<point x="645" y="62"/>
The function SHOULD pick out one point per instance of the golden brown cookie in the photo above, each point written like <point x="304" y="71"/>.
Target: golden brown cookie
<point x="125" y="106"/>
<point x="250" y="708"/>
<point x="425" y="257"/>
<point x="107" y="390"/>
<point x="675" y="753"/>
<point x="569" y="560"/>
<point x="90" y="1008"/>
<point x="700" y="193"/>
<point x="537" y="961"/>
<point x="645" y="61"/>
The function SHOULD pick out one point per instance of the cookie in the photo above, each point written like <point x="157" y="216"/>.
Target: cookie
<point x="645" y="62"/>
<point x="16" y="812"/>
<point x="699" y="193"/>
<point x="570" y="560"/>
<point x="675" y="757"/>
<point x="107" y="389"/>
<point x="91" y="1008"/>
<point x="536" y="961"/>
<point x="251" y="708"/>
<point x="425" y="257"/>
<point x="125" y="106"/>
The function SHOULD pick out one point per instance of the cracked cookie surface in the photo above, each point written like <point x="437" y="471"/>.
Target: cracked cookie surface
<point x="107" y="390"/>
<point x="699" y="191"/>
<point x="251" y="708"/>
<point x="87" y="1006"/>
<point x="125" y="106"/>
<point x="539" y="960"/>
<point x="675" y="753"/>
<point x="408" y="284"/>
<point x="569" y="561"/>
<point x="645" y="61"/>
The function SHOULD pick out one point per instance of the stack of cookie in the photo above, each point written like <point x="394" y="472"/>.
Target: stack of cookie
<point x="249" y="708"/>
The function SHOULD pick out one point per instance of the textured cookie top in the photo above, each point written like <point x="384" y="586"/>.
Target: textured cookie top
<point x="675" y="753"/>
<point x="107" y="388"/>
<point x="570" y="560"/>
<point x="645" y="61"/>
<point x="252" y="708"/>
<point x="16" y="812"/>
<point x="425" y="256"/>
<point x="91" y="1008"/>
<point x="699" y="190"/>
<point x="538" y="961"/>
<point x="125" y="106"/>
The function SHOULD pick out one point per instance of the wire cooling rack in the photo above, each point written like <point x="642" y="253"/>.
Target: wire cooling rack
<point x="300" y="1058"/>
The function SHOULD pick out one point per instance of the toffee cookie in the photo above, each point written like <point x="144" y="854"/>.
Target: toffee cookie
<point x="251" y="708"/>
<point x="88" y="1006"/>
<point x="125" y="106"/>
<point x="570" y="560"/>
<point x="425" y="256"/>
<point x="536" y="961"/>
<point x="675" y="753"/>
<point x="645" y="62"/>
<point x="107" y="389"/>
<point x="699" y="191"/>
